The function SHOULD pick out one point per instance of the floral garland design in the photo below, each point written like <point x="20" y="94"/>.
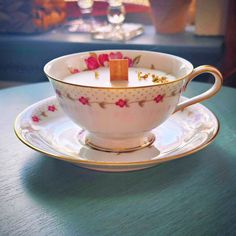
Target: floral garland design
<point x="94" y="61"/>
<point x="85" y="101"/>
<point x="43" y="114"/>
<point x="121" y="102"/>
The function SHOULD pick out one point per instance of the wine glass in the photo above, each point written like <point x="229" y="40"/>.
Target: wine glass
<point x="116" y="17"/>
<point x="86" y="23"/>
<point x="116" y="30"/>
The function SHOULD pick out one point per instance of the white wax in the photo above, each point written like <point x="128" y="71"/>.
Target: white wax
<point x="88" y="78"/>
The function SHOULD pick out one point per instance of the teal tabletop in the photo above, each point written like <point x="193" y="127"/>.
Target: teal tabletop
<point x="194" y="195"/>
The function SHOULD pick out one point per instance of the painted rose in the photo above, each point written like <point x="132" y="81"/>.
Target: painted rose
<point x="52" y="108"/>
<point x="103" y="59"/>
<point x="92" y="63"/>
<point x="130" y="61"/>
<point x="159" y="98"/>
<point x="115" y="55"/>
<point x="121" y="103"/>
<point x="84" y="100"/>
<point x="35" y="118"/>
<point x="74" y="70"/>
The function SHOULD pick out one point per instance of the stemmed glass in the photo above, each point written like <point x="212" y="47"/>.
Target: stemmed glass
<point x="116" y="17"/>
<point x="116" y="30"/>
<point x="87" y="22"/>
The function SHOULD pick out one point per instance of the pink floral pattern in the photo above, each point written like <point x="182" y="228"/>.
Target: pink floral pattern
<point x="84" y="100"/>
<point x="92" y="63"/>
<point x="121" y="103"/>
<point x="95" y="61"/>
<point x="159" y="98"/>
<point x="130" y="61"/>
<point x="51" y="108"/>
<point x="73" y="70"/>
<point x="115" y="55"/>
<point x="103" y="59"/>
<point x="35" y="119"/>
<point x="43" y="114"/>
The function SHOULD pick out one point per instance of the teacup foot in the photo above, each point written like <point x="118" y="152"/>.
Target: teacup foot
<point x="119" y="145"/>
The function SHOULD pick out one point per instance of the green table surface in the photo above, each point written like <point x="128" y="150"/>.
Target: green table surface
<point x="194" y="195"/>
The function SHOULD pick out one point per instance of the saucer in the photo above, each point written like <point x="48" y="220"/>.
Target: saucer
<point x="45" y="128"/>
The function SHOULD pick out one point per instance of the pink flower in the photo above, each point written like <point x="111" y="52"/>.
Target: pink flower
<point x="74" y="70"/>
<point x="115" y="55"/>
<point x="35" y="119"/>
<point x="92" y="63"/>
<point x="52" y="108"/>
<point x="121" y="103"/>
<point x="102" y="58"/>
<point x="159" y="98"/>
<point x="84" y="100"/>
<point x="130" y="61"/>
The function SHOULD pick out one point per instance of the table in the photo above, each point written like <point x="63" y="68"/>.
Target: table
<point x="194" y="195"/>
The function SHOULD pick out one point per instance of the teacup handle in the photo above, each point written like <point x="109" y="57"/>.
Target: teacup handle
<point x="207" y="94"/>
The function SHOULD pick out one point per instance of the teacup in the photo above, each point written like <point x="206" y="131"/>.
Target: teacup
<point x="121" y="118"/>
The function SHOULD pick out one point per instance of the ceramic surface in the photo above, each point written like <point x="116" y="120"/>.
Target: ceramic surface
<point x="45" y="128"/>
<point x="121" y="118"/>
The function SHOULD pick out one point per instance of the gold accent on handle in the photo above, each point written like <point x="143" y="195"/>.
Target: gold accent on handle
<point x="207" y="94"/>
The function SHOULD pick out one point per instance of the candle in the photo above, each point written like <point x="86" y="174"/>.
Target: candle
<point x="136" y="77"/>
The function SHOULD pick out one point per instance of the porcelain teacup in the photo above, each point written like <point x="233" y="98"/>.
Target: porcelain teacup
<point x="121" y="119"/>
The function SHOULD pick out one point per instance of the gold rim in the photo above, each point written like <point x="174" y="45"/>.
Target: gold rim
<point x="124" y="50"/>
<point x="138" y="163"/>
<point x="122" y="150"/>
<point x="198" y="71"/>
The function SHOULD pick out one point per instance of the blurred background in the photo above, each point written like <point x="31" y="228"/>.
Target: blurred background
<point x="33" y="32"/>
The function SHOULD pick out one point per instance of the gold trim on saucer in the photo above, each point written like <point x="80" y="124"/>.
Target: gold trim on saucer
<point x="95" y="163"/>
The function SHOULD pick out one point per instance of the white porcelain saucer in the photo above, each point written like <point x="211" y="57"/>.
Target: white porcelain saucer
<point x="45" y="128"/>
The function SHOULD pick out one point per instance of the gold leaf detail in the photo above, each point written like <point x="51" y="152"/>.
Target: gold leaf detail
<point x="96" y="74"/>
<point x="159" y="79"/>
<point x="142" y="76"/>
<point x="139" y="75"/>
